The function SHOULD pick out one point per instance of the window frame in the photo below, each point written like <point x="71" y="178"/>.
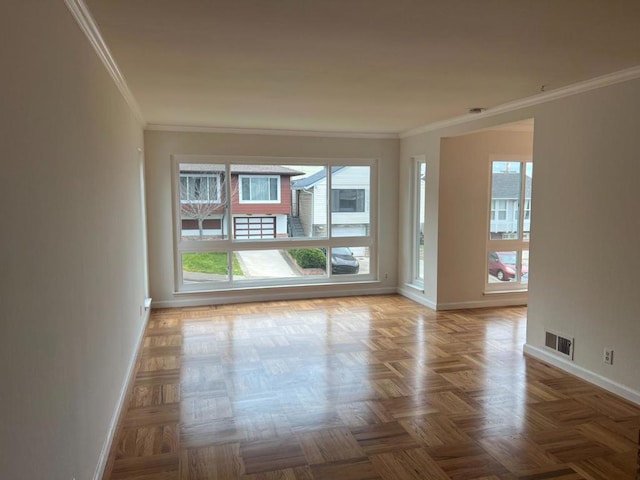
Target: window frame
<point x="519" y="244"/>
<point x="417" y="222"/>
<point x="231" y="245"/>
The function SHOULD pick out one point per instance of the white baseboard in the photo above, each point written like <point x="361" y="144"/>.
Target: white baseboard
<point x="496" y="301"/>
<point x="198" y="299"/>
<point x="583" y="373"/>
<point x="414" y="295"/>
<point x="488" y="303"/>
<point x="108" y="442"/>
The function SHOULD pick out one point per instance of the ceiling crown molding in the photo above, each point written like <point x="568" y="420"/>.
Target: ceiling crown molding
<point x="580" y="87"/>
<point x="87" y="24"/>
<point x="264" y="131"/>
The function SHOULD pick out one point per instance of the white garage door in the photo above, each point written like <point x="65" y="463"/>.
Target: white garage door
<point x="254" y="227"/>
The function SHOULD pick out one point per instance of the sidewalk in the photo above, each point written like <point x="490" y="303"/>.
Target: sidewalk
<point x="265" y="264"/>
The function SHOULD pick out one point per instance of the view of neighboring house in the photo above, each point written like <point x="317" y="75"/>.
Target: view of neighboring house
<point x="506" y="192"/>
<point x="260" y="201"/>
<point x="349" y="202"/>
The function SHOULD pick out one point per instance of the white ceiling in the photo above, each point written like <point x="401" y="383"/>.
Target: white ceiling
<point x="376" y="66"/>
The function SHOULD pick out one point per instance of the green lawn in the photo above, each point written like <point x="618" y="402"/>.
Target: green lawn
<point x="212" y="262"/>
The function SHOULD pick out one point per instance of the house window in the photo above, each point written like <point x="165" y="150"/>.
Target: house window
<point x="203" y="188"/>
<point x="259" y="189"/>
<point x="350" y="200"/>
<point x="240" y="224"/>
<point x="509" y="225"/>
<point x="499" y="210"/>
<point x="201" y="207"/>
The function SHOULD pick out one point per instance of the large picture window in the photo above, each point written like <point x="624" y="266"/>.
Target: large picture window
<point x="509" y="225"/>
<point x="249" y="222"/>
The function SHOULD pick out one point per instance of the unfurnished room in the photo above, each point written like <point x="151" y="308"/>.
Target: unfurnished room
<point x="320" y="240"/>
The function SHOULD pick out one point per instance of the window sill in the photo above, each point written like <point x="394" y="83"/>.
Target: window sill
<point x="502" y="292"/>
<point x="245" y="288"/>
<point x="416" y="287"/>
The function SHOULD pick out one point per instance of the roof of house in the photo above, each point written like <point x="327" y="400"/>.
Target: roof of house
<point x="507" y="185"/>
<point x="311" y="180"/>
<point x="251" y="169"/>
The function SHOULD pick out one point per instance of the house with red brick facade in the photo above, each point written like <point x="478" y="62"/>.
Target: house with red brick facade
<point x="260" y="201"/>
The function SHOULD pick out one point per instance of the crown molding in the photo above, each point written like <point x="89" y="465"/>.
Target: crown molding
<point x="263" y="131"/>
<point x="87" y="24"/>
<point x="580" y="87"/>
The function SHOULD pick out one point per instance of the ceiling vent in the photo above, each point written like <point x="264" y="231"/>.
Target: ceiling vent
<point x="559" y="343"/>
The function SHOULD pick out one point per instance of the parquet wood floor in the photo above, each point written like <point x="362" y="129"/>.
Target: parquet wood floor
<point x="361" y="388"/>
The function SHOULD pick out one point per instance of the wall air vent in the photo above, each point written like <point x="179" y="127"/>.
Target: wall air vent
<point x="559" y="343"/>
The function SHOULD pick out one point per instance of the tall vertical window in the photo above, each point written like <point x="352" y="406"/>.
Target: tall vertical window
<point x="509" y="225"/>
<point x="419" y="192"/>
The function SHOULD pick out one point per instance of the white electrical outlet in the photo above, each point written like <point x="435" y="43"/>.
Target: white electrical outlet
<point x="608" y="356"/>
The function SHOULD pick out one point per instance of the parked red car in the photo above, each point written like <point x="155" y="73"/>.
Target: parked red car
<point x="502" y="265"/>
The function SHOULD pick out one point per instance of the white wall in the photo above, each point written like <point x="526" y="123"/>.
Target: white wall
<point x="160" y="145"/>
<point x="585" y="253"/>
<point x="305" y="211"/>
<point x="585" y="225"/>
<point x="320" y="204"/>
<point x="71" y="266"/>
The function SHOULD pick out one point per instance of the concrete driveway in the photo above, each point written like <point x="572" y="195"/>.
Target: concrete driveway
<point x="265" y="264"/>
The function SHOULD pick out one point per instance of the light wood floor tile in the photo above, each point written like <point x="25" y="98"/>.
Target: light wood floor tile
<point x="324" y="446"/>
<point x="433" y="430"/>
<point x="466" y="461"/>
<point x="275" y="454"/>
<point x="298" y="473"/>
<point x="151" y="465"/>
<point x="355" y="469"/>
<point x="517" y="453"/>
<point x="383" y="438"/>
<point x="211" y="463"/>
<point x="569" y="445"/>
<point x="411" y="464"/>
